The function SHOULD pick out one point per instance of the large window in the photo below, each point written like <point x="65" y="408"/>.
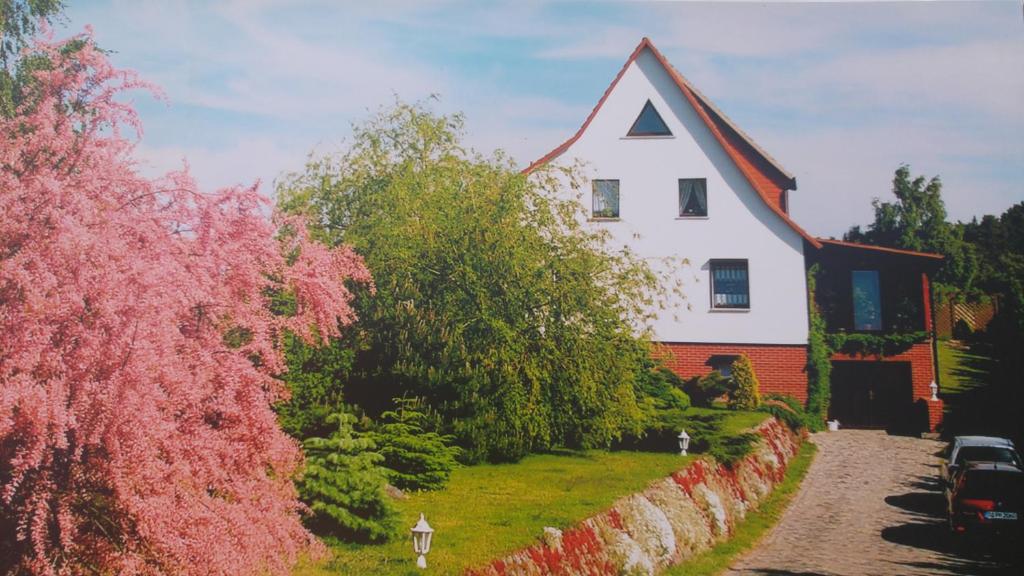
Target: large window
<point x="730" y="285"/>
<point x="867" y="300"/>
<point x="606" y="199"/>
<point x="693" y="197"/>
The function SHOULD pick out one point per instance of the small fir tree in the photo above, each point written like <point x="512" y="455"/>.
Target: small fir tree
<point x="344" y="485"/>
<point x="414" y="459"/>
<point x="746" y="392"/>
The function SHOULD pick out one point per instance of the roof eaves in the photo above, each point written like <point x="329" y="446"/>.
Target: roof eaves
<point x="900" y="251"/>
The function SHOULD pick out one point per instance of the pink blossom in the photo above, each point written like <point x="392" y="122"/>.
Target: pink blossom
<point x="135" y="438"/>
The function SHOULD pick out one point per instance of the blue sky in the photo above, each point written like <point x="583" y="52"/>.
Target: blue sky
<point x="840" y="93"/>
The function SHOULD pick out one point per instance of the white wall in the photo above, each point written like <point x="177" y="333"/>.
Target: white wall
<point x="739" y="224"/>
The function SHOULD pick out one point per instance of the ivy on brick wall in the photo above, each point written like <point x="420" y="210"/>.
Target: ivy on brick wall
<point x="860" y="344"/>
<point x="819" y="359"/>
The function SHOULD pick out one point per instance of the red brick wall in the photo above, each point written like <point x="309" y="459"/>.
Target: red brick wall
<point x="922" y="374"/>
<point x="780" y="368"/>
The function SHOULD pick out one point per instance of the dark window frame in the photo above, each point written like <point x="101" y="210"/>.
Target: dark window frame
<point x="593" y="198"/>
<point x="679" y="192"/>
<point x="721" y="262"/>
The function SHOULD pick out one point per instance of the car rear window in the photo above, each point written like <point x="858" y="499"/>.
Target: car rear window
<point x="993" y="484"/>
<point x="987" y="454"/>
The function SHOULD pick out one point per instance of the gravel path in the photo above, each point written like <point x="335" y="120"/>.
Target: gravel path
<point x="870" y="505"/>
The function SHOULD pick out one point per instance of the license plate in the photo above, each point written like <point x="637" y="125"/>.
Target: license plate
<point x="992" y="515"/>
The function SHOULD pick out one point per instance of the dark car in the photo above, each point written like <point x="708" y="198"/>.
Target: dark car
<point x="975" y="449"/>
<point x="986" y="497"/>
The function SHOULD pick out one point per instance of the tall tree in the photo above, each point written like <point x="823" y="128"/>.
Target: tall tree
<point x="495" y="303"/>
<point x="917" y="221"/>
<point x="138" y="348"/>
<point x="19" y="22"/>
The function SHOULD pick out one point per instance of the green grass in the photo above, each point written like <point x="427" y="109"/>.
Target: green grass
<point x="755" y="526"/>
<point x="489" y="510"/>
<point x="961" y="369"/>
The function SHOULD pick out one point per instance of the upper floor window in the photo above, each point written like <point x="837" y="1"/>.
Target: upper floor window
<point x="606" y="199"/>
<point x="730" y="285"/>
<point x="693" y="197"/>
<point x="867" y="300"/>
<point x="649" y="123"/>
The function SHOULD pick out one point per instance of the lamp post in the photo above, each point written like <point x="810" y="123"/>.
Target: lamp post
<point x="935" y="390"/>
<point x="684" y="442"/>
<point x="421" y="535"/>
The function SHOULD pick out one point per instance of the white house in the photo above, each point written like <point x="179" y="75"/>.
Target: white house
<point x="671" y="176"/>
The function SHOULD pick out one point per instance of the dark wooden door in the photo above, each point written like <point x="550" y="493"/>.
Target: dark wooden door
<point x="871" y="394"/>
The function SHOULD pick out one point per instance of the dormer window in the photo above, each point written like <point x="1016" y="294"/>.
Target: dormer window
<point x="649" y="123"/>
<point x="693" y="197"/>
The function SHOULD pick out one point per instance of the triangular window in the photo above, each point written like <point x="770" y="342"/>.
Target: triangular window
<point x="649" y="123"/>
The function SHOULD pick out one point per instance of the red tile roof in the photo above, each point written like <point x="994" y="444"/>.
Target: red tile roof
<point x="765" y="175"/>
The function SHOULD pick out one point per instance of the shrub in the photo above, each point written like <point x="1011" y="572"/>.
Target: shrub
<point x="703" y="390"/>
<point x="662" y="388"/>
<point x="344" y="485"/>
<point x="787" y="409"/>
<point x="414" y="459"/>
<point x="746" y="393"/>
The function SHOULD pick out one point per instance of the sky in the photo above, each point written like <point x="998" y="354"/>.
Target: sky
<point x="841" y="94"/>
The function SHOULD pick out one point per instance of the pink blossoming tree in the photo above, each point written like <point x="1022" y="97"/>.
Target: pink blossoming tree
<point x="138" y="347"/>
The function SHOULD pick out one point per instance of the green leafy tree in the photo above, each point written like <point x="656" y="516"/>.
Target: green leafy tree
<point x="415" y="459"/>
<point x="917" y="221"/>
<point x="315" y="379"/>
<point x="495" y="302"/>
<point x="746" y="393"/>
<point x="344" y="485"/>
<point x="19" y="22"/>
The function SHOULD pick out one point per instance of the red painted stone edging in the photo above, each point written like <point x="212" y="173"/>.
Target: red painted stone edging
<point x="671" y="521"/>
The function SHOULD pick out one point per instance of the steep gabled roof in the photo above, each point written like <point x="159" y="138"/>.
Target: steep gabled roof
<point x="763" y="172"/>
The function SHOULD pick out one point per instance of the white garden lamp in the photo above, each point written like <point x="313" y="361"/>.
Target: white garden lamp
<point x="684" y="442"/>
<point x="935" y="390"/>
<point x="421" y="535"/>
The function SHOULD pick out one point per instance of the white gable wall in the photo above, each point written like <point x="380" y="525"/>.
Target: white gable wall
<point x="739" y="224"/>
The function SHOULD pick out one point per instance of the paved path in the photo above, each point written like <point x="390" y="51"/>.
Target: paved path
<point x="870" y="505"/>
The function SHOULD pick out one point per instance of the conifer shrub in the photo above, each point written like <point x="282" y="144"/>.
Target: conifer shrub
<point x="344" y="485"/>
<point x="660" y="388"/>
<point x="414" y="458"/>
<point x="787" y="409"/>
<point x="746" y="393"/>
<point x="703" y="390"/>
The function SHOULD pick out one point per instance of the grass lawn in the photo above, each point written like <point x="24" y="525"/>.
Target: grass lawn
<point x="755" y="526"/>
<point x="492" y="509"/>
<point x="961" y="369"/>
<point x="976" y="402"/>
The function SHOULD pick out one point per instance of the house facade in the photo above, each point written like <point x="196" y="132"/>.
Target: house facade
<point x="672" y="178"/>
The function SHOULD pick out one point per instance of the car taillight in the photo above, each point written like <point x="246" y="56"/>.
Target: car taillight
<point x="973" y="504"/>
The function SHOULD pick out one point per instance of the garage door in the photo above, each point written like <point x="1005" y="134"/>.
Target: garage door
<point x="872" y="394"/>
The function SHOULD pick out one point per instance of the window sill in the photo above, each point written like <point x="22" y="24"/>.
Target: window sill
<point x="729" y="310"/>
<point x="599" y="219"/>
<point x="692" y="217"/>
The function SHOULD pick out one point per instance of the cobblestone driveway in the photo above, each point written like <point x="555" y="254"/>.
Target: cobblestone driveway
<point x="870" y="505"/>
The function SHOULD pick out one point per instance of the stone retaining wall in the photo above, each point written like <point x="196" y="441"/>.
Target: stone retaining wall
<point x="671" y="521"/>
